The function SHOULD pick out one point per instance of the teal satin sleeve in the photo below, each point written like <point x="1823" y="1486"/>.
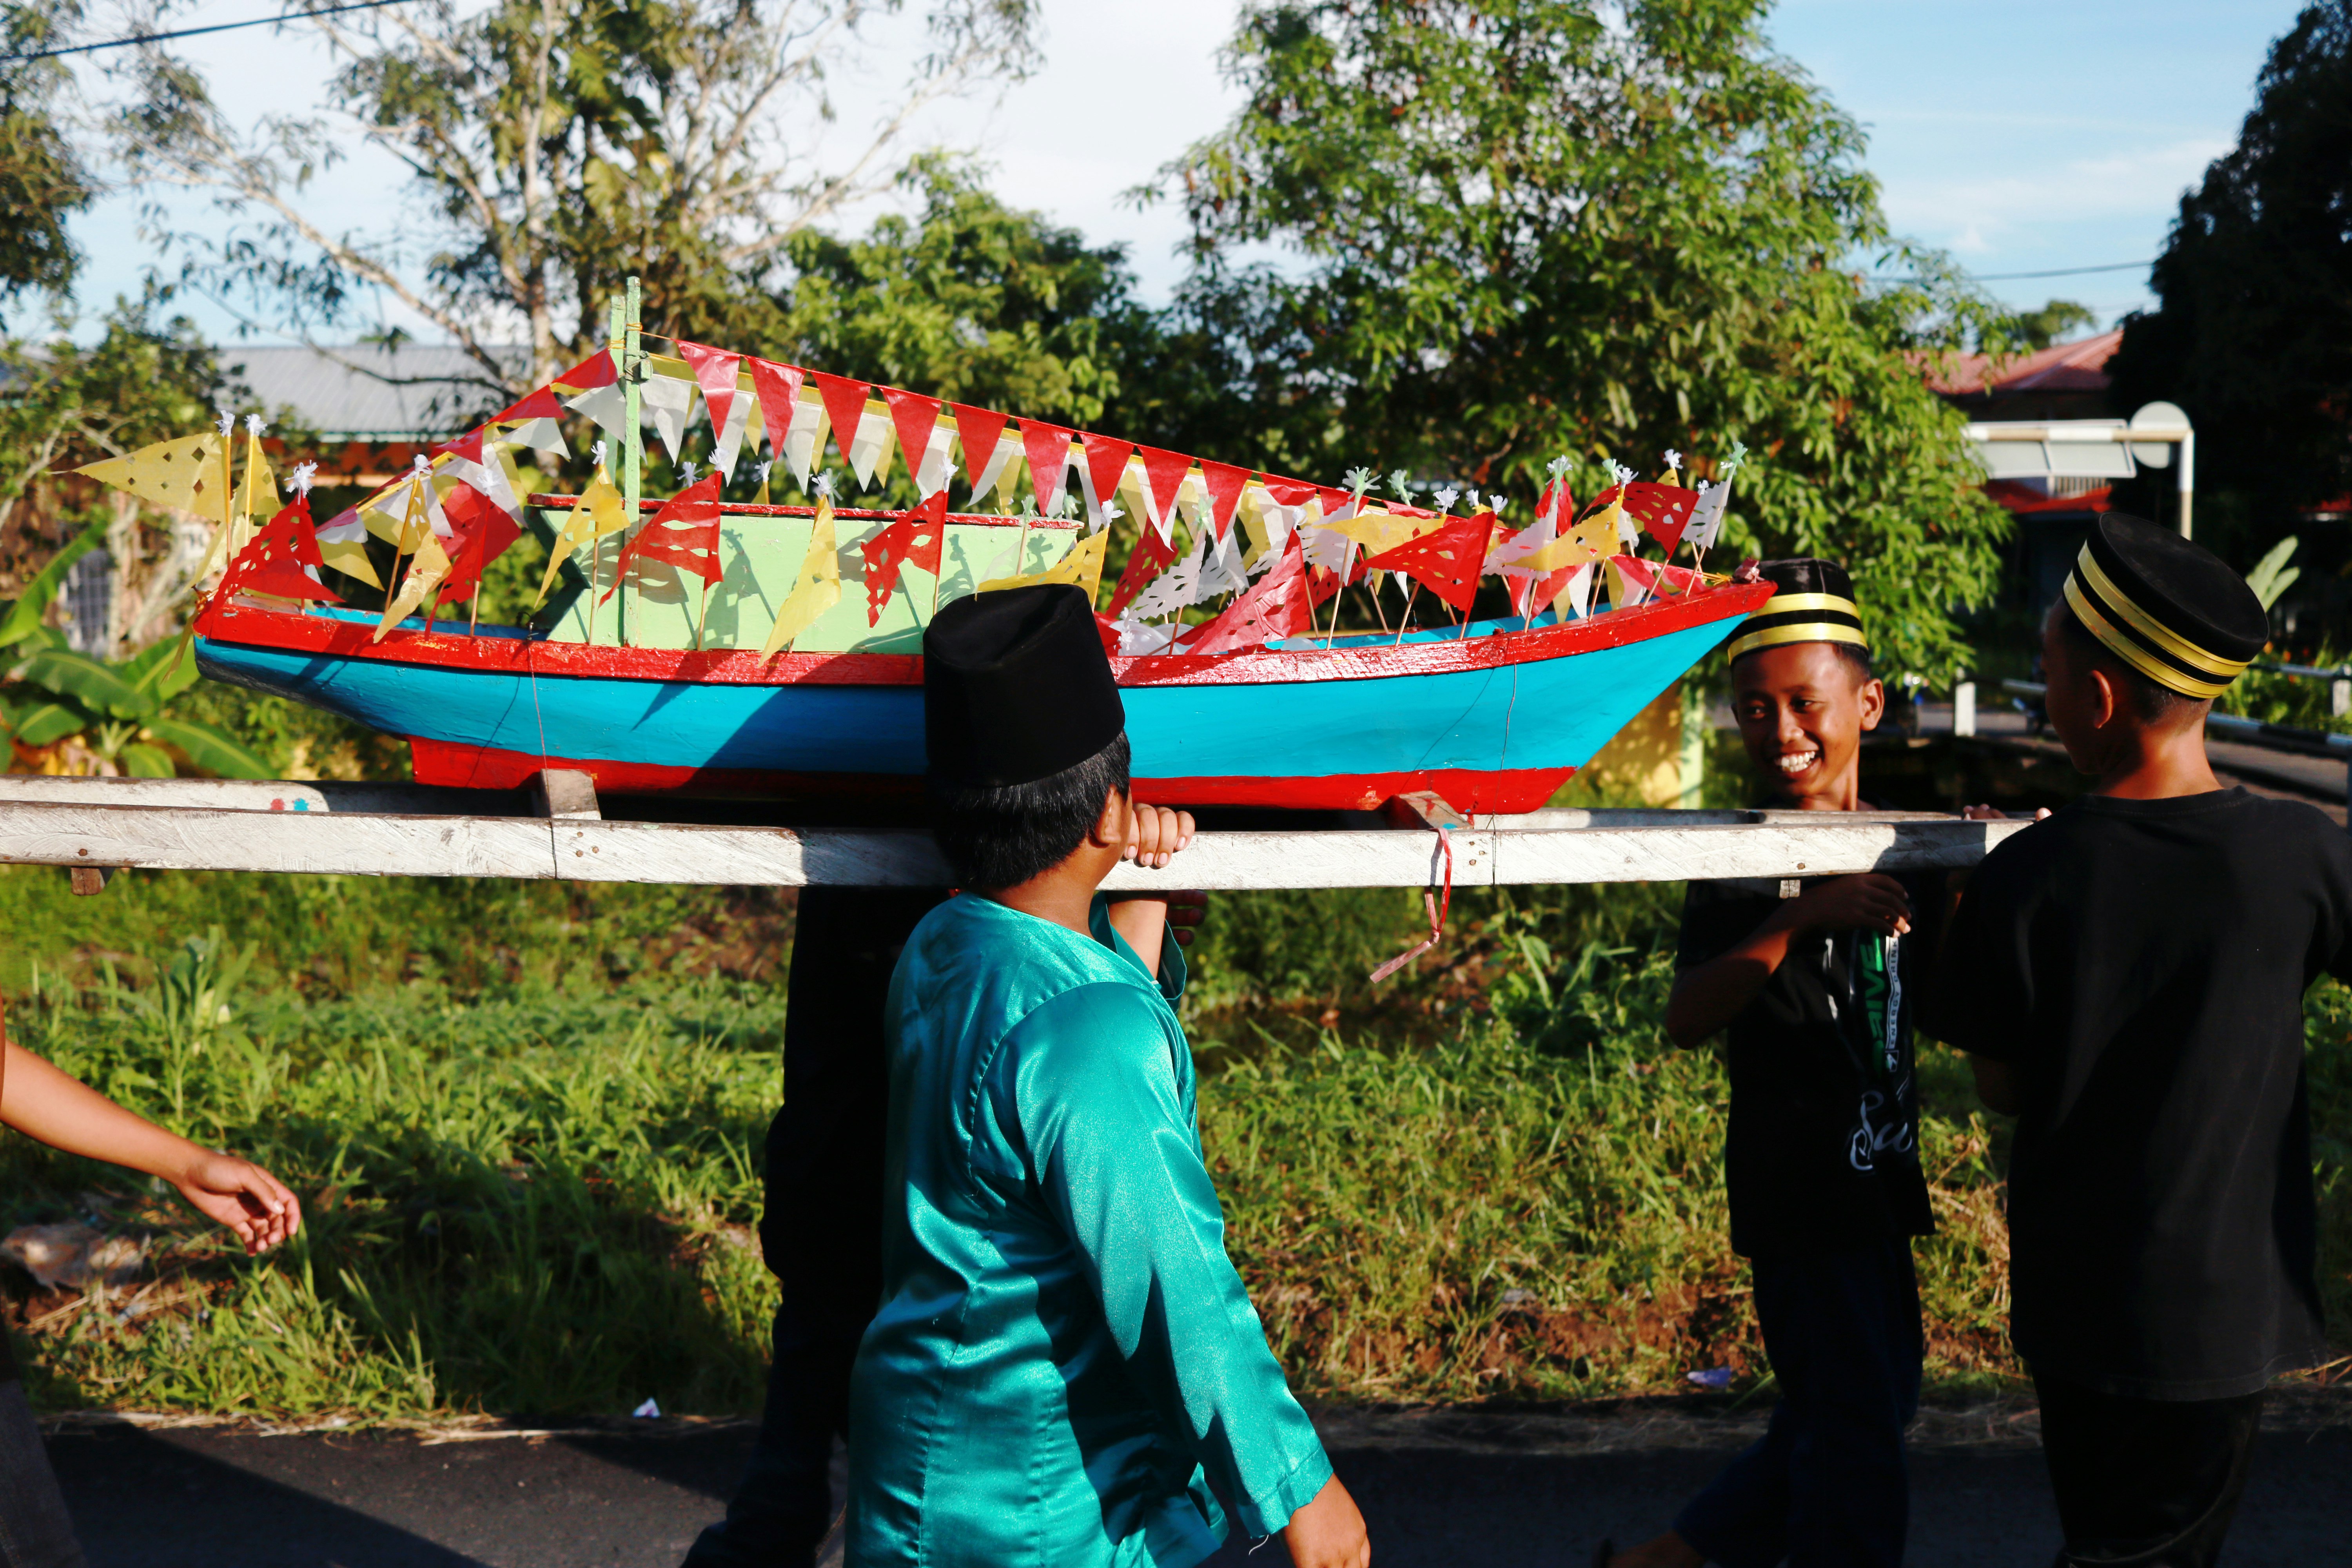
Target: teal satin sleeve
<point x="1105" y="1113"/>
<point x="1173" y="973"/>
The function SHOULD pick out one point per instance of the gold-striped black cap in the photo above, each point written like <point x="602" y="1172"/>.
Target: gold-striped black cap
<point x="1813" y="601"/>
<point x="2170" y="609"/>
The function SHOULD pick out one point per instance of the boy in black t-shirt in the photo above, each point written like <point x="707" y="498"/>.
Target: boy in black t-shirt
<point x="1816" y="993"/>
<point x="2127" y="978"/>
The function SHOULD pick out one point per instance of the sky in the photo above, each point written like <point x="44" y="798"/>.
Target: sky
<point x="2022" y="138"/>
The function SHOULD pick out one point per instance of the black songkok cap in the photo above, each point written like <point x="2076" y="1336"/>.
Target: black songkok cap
<point x="2168" y="608"/>
<point x="1813" y="601"/>
<point x="1016" y="687"/>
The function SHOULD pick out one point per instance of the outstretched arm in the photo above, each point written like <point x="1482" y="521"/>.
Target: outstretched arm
<point x="1707" y="997"/>
<point x="62" y="1111"/>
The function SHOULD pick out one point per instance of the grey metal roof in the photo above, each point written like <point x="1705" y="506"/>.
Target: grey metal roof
<point x="368" y="393"/>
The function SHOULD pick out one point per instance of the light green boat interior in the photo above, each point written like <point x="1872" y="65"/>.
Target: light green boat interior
<point x="658" y="605"/>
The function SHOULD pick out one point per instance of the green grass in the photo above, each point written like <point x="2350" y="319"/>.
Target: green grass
<point x="525" y="1122"/>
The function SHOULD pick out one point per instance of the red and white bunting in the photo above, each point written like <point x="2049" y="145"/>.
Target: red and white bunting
<point x="845" y="408"/>
<point x="1047" y="447"/>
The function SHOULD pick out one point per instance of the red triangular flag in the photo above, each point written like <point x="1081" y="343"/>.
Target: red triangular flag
<point x="1153" y="557"/>
<point x="483" y="529"/>
<point x="1164" y="473"/>
<point x="845" y="404"/>
<point x="1225" y="485"/>
<point x="1277" y="606"/>
<point x="915" y="539"/>
<point x="540" y="405"/>
<point x="977" y="431"/>
<point x="1664" y="511"/>
<point x="779" y="390"/>
<point x="468" y="446"/>
<point x="597" y="370"/>
<point x="1048" y="450"/>
<point x="714" y="372"/>
<point x="1105" y="464"/>
<point x="684" y="534"/>
<point x="914" y="416"/>
<point x="1288" y="492"/>
<point x="1447" y="562"/>
<point x="272" y="562"/>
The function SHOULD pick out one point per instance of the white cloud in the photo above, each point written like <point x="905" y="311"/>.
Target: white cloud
<point x="1977" y="215"/>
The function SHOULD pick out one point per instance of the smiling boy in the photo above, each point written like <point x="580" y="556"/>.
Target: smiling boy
<point x="1816" y="994"/>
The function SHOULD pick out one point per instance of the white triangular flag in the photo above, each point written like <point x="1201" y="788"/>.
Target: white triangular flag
<point x="1707" y="516"/>
<point x="730" y="440"/>
<point x="1223" y="572"/>
<point x="870" y="449"/>
<point x="667" y="402"/>
<point x="931" y="475"/>
<point x="802" y="435"/>
<point x="542" y="435"/>
<point x="993" y="473"/>
<point x="1174" y="588"/>
<point x="607" y="406"/>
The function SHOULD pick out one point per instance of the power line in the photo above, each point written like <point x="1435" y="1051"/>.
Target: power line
<point x="2060" y="272"/>
<point x="192" y="32"/>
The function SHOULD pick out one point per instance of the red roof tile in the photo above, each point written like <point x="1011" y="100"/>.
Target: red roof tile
<point x="2079" y="366"/>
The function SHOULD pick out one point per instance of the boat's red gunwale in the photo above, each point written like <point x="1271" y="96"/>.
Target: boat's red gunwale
<point x="257" y="627"/>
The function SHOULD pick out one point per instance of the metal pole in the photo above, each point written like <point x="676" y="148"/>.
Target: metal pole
<point x="1963" y="708"/>
<point x="2188" y="478"/>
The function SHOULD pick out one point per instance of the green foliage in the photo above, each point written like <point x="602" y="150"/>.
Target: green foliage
<point x="2040" y="328"/>
<point x="2276" y="699"/>
<point x="1534" y="231"/>
<point x="118" y="711"/>
<point x="2253" y="330"/>
<point x="23" y="616"/>
<point x="2272" y="575"/>
<point x="42" y="180"/>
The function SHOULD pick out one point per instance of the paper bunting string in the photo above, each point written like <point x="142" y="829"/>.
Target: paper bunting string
<point x="484" y="531"/>
<point x="403" y="514"/>
<point x="1082" y="564"/>
<point x="1047" y="447"/>
<point x="1663" y="511"/>
<point x="914" y="417"/>
<point x="869" y="453"/>
<point x="778" y="389"/>
<point x="1225" y="484"/>
<point x="915" y="539"/>
<point x="668" y="401"/>
<point x="1103" y="467"/>
<point x="1222" y="571"/>
<point x="684" y="533"/>
<point x="997" y="473"/>
<point x="935" y="465"/>
<point x="716" y="372"/>
<point x="1178" y="585"/>
<point x="1447" y="562"/>
<point x="1151" y="556"/>
<point x="599" y="511"/>
<point x="1164" y="474"/>
<point x="607" y="406"/>
<point x="845" y="408"/>
<point x="181" y="473"/>
<point x="282" y="560"/>
<point x="1279" y="605"/>
<point x="426" y="568"/>
<point x="817" y="588"/>
<point x="597" y="370"/>
<point x="980" y="431"/>
<point x="536" y="420"/>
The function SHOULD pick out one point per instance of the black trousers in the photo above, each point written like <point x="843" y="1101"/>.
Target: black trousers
<point x="821" y="1230"/>
<point x="35" y="1530"/>
<point x="2144" y="1483"/>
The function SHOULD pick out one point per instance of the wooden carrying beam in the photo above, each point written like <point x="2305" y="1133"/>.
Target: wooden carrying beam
<point x="353" y="830"/>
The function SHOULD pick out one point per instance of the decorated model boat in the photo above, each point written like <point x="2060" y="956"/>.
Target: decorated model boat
<point x="718" y="647"/>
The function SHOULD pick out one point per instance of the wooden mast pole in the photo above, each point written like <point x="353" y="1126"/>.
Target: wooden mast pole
<point x="633" y="444"/>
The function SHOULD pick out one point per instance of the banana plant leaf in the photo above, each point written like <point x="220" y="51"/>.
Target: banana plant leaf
<point x="23" y="616"/>
<point x="89" y="681"/>
<point x="141" y="761"/>
<point x="44" y="723"/>
<point x="208" y="748"/>
<point x="155" y="671"/>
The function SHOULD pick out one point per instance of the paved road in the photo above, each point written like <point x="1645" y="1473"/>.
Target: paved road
<point x="1493" y="1493"/>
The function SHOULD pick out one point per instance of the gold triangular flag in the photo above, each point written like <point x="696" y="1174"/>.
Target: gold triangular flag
<point x="256" y="496"/>
<point x="349" y="557"/>
<point x="426" y="570"/>
<point x="597" y="512"/>
<point x="817" y="588"/>
<point x="1595" y="538"/>
<point x="176" y="473"/>
<point x="1083" y="566"/>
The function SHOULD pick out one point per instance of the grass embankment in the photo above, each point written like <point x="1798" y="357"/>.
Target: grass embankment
<point x="526" y="1122"/>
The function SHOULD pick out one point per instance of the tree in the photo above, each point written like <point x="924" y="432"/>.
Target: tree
<point x="1536" y="227"/>
<point x="42" y="181"/>
<point x="557" y="146"/>
<point x="2253" y="330"/>
<point x="2040" y="328"/>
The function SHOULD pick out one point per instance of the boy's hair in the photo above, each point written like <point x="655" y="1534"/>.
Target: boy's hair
<point x="1856" y="657"/>
<point x="2159" y="707"/>
<point x="998" y="837"/>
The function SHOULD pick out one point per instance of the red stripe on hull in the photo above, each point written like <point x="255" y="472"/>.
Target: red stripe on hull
<point x="1505" y="790"/>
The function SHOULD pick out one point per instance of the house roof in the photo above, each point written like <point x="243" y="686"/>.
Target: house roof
<point x="2078" y="366"/>
<point x="365" y="392"/>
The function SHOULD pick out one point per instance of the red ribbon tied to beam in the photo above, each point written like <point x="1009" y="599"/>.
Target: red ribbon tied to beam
<point x="684" y="534"/>
<point x="915" y="538"/>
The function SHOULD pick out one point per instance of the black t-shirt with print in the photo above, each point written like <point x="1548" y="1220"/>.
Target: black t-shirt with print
<point x="1822" y="1147"/>
<point x="2141" y="965"/>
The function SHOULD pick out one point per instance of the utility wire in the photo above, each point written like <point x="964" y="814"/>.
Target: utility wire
<point x="192" y="32"/>
<point x="2061" y="272"/>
